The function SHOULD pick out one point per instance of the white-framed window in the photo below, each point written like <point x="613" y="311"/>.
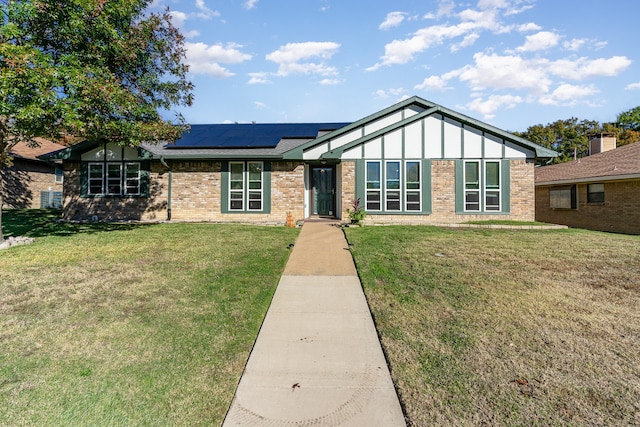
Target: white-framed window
<point x="482" y="186"/>
<point x="412" y="185"/>
<point x="374" y="188"/>
<point x="113" y="179"/>
<point x="393" y="186"/>
<point x="59" y="175"/>
<point x="246" y="186"/>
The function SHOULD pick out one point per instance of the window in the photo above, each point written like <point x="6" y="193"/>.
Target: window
<point x="373" y="187"/>
<point x="246" y="186"/>
<point x="412" y="186"/>
<point x="398" y="190"/>
<point x="595" y="193"/>
<point x="392" y="195"/>
<point x="114" y="179"/>
<point x="563" y="197"/>
<point x="482" y="186"/>
<point x="59" y="175"/>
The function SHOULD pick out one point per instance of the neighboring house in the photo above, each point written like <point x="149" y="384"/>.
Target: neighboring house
<point x="598" y="192"/>
<point x="414" y="162"/>
<point x="32" y="182"/>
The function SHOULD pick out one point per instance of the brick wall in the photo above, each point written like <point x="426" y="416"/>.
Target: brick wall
<point x="443" y="196"/>
<point x="620" y="212"/>
<point x="195" y="195"/>
<point x="22" y="183"/>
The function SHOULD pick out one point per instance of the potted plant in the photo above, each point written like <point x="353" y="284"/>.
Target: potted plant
<point x="357" y="213"/>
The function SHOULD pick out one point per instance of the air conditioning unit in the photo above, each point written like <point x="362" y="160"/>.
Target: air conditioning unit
<point x="50" y="199"/>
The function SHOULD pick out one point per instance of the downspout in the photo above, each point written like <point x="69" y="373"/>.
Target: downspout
<point x="168" y="188"/>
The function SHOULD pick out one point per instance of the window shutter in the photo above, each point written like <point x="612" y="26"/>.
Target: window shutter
<point x="84" y="179"/>
<point x="266" y="191"/>
<point x="459" y="172"/>
<point x="426" y="186"/>
<point x="361" y="180"/>
<point x="505" y="186"/>
<point x="145" y="178"/>
<point x="224" y="196"/>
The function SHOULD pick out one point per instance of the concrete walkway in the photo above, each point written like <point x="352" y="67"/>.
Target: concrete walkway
<point x="317" y="360"/>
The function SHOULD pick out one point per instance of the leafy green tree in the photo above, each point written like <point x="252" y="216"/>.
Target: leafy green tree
<point x="630" y="120"/>
<point x="102" y="70"/>
<point x="568" y="137"/>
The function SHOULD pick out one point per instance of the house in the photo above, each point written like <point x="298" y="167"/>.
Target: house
<point x="598" y="192"/>
<point x="414" y="162"/>
<point x="31" y="182"/>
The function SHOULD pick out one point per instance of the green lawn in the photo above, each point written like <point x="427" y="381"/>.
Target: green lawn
<point x="509" y="328"/>
<point x="124" y="324"/>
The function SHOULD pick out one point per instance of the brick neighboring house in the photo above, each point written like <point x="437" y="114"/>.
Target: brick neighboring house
<point x="32" y="182"/>
<point x="414" y="162"/>
<point x="598" y="192"/>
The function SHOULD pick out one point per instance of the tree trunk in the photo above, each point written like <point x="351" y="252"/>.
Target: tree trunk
<point x="1" y="186"/>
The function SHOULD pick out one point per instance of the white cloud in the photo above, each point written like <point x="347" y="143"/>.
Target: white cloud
<point x="391" y="92"/>
<point x="258" y="78"/>
<point x="468" y="40"/>
<point x="583" y="68"/>
<point x="393" y="19"/>
<point x="329" y="82"/>
<point x="291" y="57"/>
<point x="472" y="23"/>
<point x="567" y="94"/>
<point x="530" y="26"/>
<point x="205" y="59"/>
<point x="539" y="41"/>
<point x="204" y="11"/>
<point x="259" y="105"/>
<point x="633" y="86"/>
<point x="178" y="18"/>
<point x="574" y="44"/>
<point x="250" y="4"/>
<point x="506" y="72"/>
<point x="433" y="84"/>
<point x="489" y="106"/>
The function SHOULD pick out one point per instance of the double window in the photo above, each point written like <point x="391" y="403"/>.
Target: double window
<point x="563" y="197"/>
<point x="113" y="179"/>
<point x="393" y="186"/>
<point x="246" y="186"/>
<point x="482" y="186"/>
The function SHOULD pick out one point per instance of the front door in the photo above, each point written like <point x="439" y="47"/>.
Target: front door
<point x="323" y="185"/>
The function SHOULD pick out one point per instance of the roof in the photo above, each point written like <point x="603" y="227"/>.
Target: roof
<point x="238" y="136"/>
<point x="289" y="140"/>
<point x="425" y="109"/>
<point x="22" y="150"/>
<point x="619" y="163"/>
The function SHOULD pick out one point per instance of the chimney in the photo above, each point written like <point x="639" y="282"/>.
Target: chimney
<point x="602" y="142"/>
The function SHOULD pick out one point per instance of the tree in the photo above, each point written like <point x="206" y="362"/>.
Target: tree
<point x="568" y="137"/>
<point x="93" y="69"/>
<point x="630" y="120"/>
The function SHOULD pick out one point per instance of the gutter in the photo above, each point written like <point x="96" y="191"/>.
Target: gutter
<point x="164" y="163"/>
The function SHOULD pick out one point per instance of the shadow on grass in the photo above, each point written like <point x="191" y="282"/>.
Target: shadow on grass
<point x="46" y="222"/>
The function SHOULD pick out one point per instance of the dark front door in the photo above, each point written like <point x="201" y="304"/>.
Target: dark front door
<point x="323" y="184"/>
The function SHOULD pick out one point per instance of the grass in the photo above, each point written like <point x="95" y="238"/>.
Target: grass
<point x="125" y="324"/>
<point x="506" y="222"/>
<point x="506" y="327"/>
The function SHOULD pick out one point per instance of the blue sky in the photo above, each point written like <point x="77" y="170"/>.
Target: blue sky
<point x="510" y="63"/>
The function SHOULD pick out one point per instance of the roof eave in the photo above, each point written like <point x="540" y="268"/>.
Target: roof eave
<point x="624" y="177"/>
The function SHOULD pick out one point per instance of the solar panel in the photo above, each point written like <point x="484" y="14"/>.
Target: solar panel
<point x="263" y="135"/>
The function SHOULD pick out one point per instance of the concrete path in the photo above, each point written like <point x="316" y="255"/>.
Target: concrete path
<point x="317" y="360"/>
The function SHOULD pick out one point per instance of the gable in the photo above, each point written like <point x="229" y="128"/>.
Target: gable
<point x="419" y="129"/>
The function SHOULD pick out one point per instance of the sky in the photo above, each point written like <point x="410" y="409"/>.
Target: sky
<point x="509" y="63"/>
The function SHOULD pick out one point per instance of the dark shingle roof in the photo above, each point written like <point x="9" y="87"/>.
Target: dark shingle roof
<point x="24" y="151"/>
<point x="620" y="163"/>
